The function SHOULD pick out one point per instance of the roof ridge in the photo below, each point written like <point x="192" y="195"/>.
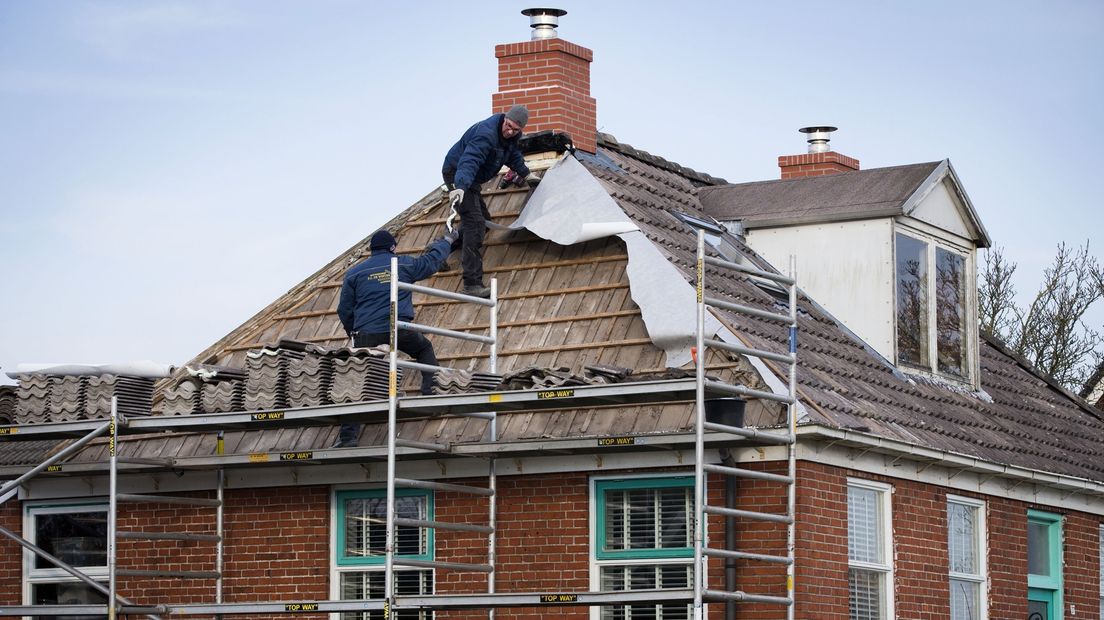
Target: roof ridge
<point x="608" y="141"/>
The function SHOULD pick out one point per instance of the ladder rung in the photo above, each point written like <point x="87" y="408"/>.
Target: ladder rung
<point x="479" y="568"/>
<point x="422" y="445"/>
<point x="749" y="598"/>
<point x="740" y="390"/>
<point x="442" y="486"/>
<point x="763" y="314"/>
<point x="739" y="472"/>
<point x="750" y="433"/>
<point x="779" y="278"/>
<point x="436" y="292"/>
<point x="179" y="574"/>
<point x="445" y="525"/>
<point x="743" y="555"/>
<point x="167" y="499"/>
<point x="735" y="348"/>
<point x="448" y="333"/>
<point x="747" y="514"/>
<point x="167" y="536"/>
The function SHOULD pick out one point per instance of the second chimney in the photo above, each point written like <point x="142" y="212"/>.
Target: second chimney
<point x="551" y="77"/>
<point x="820" y="159"/>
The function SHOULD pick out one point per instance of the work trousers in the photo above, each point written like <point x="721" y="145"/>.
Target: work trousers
<point x="473" y="228"/>
<point x="413" y="344"/>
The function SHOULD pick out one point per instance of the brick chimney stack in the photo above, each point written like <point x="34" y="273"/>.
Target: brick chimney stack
<point x="819" y="160"/>
<point x="551" y="77"/>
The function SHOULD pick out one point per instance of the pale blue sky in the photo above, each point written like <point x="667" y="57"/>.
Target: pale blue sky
<point x="168" y="168"/>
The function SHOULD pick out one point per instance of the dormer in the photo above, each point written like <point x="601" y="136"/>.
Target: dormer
<point x="891" y="252"/>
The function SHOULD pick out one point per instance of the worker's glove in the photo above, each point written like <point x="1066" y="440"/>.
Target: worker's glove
<point x="511" y="178"/>
<point x="456" y="196"/>
<point x="451" y="236"/>
<point x="532" y="179"/>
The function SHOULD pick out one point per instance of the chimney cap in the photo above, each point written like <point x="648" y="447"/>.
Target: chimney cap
<point x="543" y="21"/>
<point x="819" y="135"/>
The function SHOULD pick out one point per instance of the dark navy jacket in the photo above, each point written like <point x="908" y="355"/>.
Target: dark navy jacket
<point x="480" y="153"/>
<point x="366" y="291"/>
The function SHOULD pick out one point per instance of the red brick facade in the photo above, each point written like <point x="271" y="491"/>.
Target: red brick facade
<point x="277" y="546"/>
<point x="551" y="77"/>
<point x="815" y="164"/>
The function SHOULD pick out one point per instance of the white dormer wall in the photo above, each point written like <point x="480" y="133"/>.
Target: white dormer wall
<point x="849" y="266"/>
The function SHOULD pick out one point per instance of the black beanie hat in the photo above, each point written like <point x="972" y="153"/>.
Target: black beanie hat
<point x="382" y="240"/>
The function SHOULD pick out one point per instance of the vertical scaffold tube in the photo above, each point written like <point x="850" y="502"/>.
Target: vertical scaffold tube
<point x="699" y="442"/>
<point x="392" y="407"/>
<point x="492" y="476"/>
<point x="791" y="497"/>
<point x="113" y="506"/>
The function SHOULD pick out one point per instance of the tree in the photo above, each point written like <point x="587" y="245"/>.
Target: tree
<point x="1050" y="332"/>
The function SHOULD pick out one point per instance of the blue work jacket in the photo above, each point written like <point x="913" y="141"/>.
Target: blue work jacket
<point x="480" y="153"/>
<point x="366" y="290"/>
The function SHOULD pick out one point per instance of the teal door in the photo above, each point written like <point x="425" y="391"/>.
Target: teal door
<point x="1040" y="604"/>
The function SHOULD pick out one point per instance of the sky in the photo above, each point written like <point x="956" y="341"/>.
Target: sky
<point x="169" y="167"/>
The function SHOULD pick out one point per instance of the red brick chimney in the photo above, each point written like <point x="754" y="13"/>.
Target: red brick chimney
<point x="819" y="160"/>
<point x="551" y="77"/>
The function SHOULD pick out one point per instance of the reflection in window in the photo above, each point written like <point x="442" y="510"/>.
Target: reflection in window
<point x="365" y="526"/>
<point x="950" y="312"/>
<point x="912" y="301"/>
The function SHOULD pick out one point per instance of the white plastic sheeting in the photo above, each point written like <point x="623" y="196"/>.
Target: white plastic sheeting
<point x="142" y="368"/>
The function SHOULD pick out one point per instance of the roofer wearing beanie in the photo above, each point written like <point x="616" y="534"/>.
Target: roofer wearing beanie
<point x="475" y="159"/>
<point x="364" y="306"/>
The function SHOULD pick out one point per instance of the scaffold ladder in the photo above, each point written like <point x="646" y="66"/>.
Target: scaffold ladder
<point x="703" y="549"/>
<point x="393" y="441"/>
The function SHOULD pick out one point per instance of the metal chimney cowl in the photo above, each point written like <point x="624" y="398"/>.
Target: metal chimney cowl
<point x="544" y="22"/>
<point x="819" y="136"/>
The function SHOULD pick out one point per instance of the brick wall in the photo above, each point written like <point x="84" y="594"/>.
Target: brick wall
<point x="11" y="555"/>
<point x="815" y="164"/>
<point x="551" y="77"/>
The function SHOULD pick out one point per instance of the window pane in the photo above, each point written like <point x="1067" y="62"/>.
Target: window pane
<point x="366" y="526"/>
<point x="648" y="518"/>
<point x="962" y="537"/>
<point x="864" y="532"/>
<point x="964" y="600"/>
<point x="865" y="596"/>
<point x="1038" y="548"/>
<point x="369" y="585"/>
<point x="76" y="538"/>
<point x="950" y="312"/>
<point x="646" y="577"/>
<point x="912" y="301"/>
<point x="67" y="594"/>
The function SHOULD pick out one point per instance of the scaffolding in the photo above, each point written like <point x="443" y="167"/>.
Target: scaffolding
<point x="485" y="406"/>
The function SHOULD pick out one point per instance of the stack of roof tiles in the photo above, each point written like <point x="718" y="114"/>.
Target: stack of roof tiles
<point x="456" y="381"/>
<point x="206" y="389"/>
<point x="362" y="375"/>
<point x="8" y="401"/>
<point x="310" y="379"/>
<point x="67" y="399"/>
<point x="534" y="377"/>
<point x="134" y="395"/>
<point x="266" y="385"/>
<point x="32" y="399"/>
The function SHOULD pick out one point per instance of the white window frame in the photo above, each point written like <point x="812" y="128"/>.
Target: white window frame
<point x="981" y="578"/>
<point x="37" y="576"/>
<point x="970" y="335"/>
<point x="596" y="565"/>
<point x="885" y="498"/>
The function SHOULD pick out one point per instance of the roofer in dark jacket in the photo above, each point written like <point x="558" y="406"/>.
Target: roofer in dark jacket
<point x="475" y="159"/>
<point x="364" y="306"/>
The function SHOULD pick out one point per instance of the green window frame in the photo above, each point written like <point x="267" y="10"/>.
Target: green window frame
<point x="344" y="496"/>
<point x="602" y="487"/>
<point x="1044" y="561"/>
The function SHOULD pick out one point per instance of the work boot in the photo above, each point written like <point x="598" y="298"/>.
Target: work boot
<point x="477" y="290"/>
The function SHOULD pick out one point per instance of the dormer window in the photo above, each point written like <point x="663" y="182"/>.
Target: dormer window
<point x="934" y="306"/>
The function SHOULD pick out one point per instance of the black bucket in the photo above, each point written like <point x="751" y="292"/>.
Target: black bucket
<point x="727" y="411"/>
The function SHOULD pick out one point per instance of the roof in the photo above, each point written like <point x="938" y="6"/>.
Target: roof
<point x="862" y="194"/>
<point x="572" y="305"/>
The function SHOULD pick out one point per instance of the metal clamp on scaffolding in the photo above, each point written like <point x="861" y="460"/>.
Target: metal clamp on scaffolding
<point x="393" y="440"/>
<point x="702" y="549"/>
